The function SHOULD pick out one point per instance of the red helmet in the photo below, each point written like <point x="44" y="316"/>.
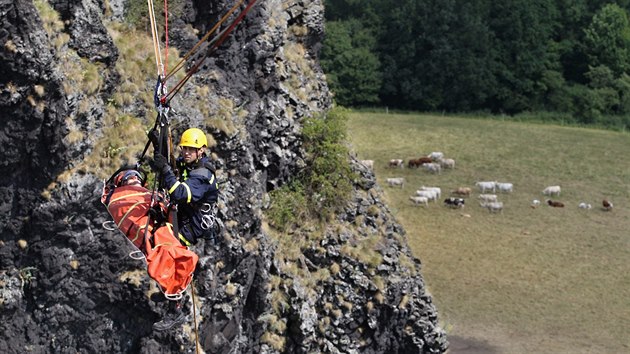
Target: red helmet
<point x="122" y="177"/>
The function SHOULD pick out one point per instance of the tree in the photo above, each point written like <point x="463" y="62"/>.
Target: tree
<point x="524" y="51"/>
<point x="352" y="68"/>
<point x="607" y="39"/>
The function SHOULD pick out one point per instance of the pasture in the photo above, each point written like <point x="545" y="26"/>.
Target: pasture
<point x="526" y="280"/>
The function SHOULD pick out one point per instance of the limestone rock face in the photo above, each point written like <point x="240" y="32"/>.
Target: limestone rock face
<point x="68" y="285"/>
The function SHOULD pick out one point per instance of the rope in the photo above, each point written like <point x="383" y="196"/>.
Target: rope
<point x="156" y="43"/>
<point x="166" y="37"/>
<point x="214" y="44"/>
<point x="192" y="290"/>
<point x="181" y="63"/>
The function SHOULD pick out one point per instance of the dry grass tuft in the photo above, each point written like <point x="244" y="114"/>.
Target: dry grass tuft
<point x="10" y="46"/>
<point x="74" y="264"/>
<point x="22" y="244"/>
<point x="275" y="341"/>
<point x="133" y="277"/>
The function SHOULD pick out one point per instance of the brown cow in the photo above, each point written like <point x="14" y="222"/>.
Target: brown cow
<point x="608" y="205"/>
<point x="555" y="204"/>
<point x="419" y="161"/>
<point x="463" y="191"/>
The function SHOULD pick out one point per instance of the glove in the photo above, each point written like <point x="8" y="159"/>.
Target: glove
<point x="159" y="163"/>
<point x="154" y="138"/>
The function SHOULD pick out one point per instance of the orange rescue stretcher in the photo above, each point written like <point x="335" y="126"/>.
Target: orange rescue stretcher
<point x="169" y="263"/>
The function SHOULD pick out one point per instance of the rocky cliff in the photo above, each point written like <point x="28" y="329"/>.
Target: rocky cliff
<point x="73" y="109"/>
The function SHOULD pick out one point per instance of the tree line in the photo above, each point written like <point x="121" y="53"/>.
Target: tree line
<point x="513" y="56"/>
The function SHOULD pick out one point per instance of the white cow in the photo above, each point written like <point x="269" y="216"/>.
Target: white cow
<point x="488" y="197"/>
<point x="447" y="163"/>
<point x="437" y="190"/>
<point x="493" y="207"/>
<point x="436" y="155"/>
<point x="368" y="163"/>
<point x="396" y="163"/>
<point x="552" y="190"/>
<point x="585" y="206"/>
<point x="397" y="181"/>
<point x="487" y="186"/>
<point x="430" y="195"/>
<point x="505" y="187"/>
<point x="417" y="200"/>
<point x="433" y="167"/>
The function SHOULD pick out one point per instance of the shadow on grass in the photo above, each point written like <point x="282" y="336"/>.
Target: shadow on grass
<point x="463" y="345"/>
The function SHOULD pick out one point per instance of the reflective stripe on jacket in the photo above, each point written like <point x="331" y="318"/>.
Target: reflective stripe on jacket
<point x="197" y="185"/>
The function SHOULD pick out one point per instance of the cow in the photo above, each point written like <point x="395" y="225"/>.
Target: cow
<point x="484" y="186"/>
<point x="419" y="162"/>
<point x="555" y="204"/>
<point x="552" y="190"/>
<point x="419" y="200"/>
<point x="368" y="163"/>
<point x="436" y="155"/>
<point x="447" y="163"/>
<point x="393" y="163"/>
<point x="433" y="167"/>
<point x="462" y="191"/>
<point x="429" y="194"/>
<point x="505" y="187"/>
<point x="607" y="205"/>
<point x="438" y="190"/>
<point x="398" y="181"/>
<point x="455" y="203"/>
<point x="493" y="207"/>
<point x="488" y="197"/>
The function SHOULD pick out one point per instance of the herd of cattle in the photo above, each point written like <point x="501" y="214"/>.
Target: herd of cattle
<point x="487" y="198"/>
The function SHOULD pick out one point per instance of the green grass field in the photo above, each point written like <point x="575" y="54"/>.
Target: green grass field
<point x="543" y="280"/>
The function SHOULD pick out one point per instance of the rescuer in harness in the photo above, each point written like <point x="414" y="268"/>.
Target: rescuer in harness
<point x="195" y="191"/>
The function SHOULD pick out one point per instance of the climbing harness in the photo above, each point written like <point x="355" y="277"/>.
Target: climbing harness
<point x="209" y="217"/>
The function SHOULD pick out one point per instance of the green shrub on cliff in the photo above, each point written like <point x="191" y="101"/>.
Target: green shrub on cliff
<point x="325" y="183"/>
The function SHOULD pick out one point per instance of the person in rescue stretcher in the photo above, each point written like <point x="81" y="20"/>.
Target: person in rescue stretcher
<point x="142" y="216"/>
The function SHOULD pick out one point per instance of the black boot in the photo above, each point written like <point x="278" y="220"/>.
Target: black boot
<point x="174" y="317"/>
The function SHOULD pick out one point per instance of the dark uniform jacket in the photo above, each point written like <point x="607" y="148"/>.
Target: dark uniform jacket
<point x="195" y="194"/>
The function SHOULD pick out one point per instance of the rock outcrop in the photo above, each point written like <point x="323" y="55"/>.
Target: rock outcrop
<point x="67" y="284"/>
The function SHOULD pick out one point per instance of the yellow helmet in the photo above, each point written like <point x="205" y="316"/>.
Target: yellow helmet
<point x="193" y="137"/>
